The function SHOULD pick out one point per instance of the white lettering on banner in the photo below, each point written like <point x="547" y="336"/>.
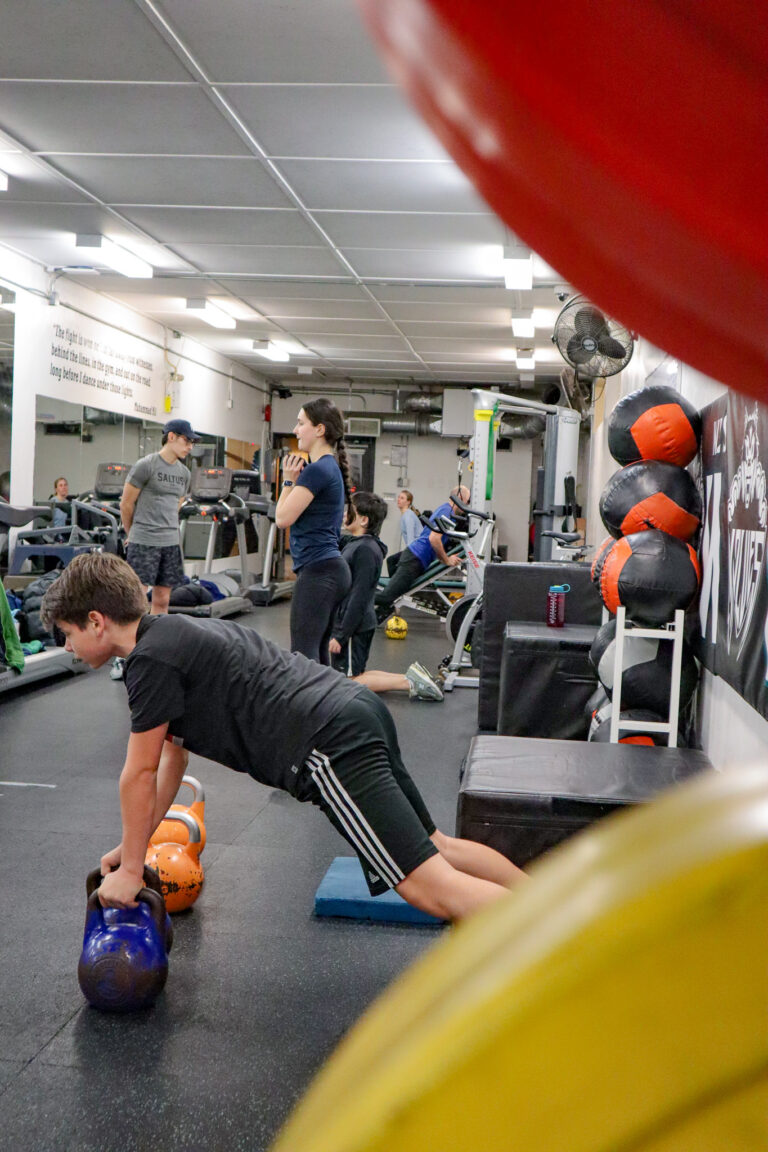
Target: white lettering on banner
<point x="710" y="556"/>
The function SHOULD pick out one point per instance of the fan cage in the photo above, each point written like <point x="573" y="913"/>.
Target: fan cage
<point x="591" y="342"/>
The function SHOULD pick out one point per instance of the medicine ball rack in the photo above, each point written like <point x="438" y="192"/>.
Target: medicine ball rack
<point x="672" y="632"/>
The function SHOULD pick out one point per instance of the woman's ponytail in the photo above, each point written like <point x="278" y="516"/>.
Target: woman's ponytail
<point x="343" y="459"/>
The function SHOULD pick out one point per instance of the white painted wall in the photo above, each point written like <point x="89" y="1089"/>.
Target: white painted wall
<point x="730" y="730"/>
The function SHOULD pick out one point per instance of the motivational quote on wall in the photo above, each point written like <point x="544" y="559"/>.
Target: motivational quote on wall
<point x="99" y="364"/>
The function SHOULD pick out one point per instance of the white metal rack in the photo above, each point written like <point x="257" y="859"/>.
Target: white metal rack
<point x="672" y="632"/>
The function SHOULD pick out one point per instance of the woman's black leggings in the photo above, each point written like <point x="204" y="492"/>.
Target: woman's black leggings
<point x="319" y="590"/>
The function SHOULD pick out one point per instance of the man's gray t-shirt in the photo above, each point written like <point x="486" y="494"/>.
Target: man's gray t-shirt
<point x="156" y="515"/>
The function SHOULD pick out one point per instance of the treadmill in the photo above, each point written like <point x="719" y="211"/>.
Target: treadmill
<point x="211" y="502"/>
<point x="267" y="587"/>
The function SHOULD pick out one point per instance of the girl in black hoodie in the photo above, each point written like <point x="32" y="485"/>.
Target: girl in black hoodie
<point x="355" y="622"/>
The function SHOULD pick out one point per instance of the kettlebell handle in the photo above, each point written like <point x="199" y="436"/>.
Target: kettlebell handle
<point x="189" y="822"/>
<point x="151" y="880"/>
<point x="144" y="895"/>
<point x="198" y="793"/>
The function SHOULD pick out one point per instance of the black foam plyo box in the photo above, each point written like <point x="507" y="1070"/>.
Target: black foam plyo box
<point x="518" y="592"/>
<point x="523" y="796"/>
<point x="546" y="680"/>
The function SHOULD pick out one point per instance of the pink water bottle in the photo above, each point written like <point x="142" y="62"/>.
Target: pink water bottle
<point x="556" y="605"/>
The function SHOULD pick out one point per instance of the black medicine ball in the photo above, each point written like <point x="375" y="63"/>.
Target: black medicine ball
<point x="651" y="574"/>
<point x="654" y="423"/>
<point x="651" y="494"/>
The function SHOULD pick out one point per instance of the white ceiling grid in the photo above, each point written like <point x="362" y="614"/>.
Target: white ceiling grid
<point x="257" y="151"/>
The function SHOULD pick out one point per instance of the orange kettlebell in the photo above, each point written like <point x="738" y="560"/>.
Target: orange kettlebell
<point x="169" y="831"/>
<point x="178" y="865"/>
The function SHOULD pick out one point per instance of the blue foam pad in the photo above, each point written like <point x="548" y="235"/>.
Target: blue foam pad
<point x="344" y="892"/>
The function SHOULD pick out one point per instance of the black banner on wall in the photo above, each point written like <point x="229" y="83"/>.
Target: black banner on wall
<point x="733" y="607"/>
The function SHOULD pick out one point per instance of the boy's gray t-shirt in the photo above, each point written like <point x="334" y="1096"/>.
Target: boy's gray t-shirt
<point x="156" y="515"/>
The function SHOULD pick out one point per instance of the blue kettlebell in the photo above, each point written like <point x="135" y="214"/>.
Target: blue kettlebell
<point x="124" y="963"/>
<point x="151" y="880"/>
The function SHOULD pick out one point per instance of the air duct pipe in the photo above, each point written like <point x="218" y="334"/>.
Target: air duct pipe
<point x="424" y="402"/>
<point x="415" y="424"/>
<point x="522" y="427"/>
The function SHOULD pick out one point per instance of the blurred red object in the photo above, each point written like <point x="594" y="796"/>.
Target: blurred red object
<point x="626" y="143"/>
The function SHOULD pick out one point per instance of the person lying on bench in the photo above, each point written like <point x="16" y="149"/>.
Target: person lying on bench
<point x="416" y="558"/>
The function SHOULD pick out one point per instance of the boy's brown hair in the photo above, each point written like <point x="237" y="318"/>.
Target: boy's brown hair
<point x="95" y="582"/>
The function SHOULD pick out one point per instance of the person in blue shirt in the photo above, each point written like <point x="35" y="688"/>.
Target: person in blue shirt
<point x="312" y="503"/>
<point x="416" y="558"/>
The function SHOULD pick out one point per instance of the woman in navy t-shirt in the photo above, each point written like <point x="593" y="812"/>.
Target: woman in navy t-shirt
<point x="311" y="504"/>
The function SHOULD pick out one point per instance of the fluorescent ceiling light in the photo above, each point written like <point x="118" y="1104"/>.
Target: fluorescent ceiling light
<point x="304" y="371"/>
<point x="270" y="350"/>
<point x="114" y="256"/>
<point x="210" y="313"/>
<point x="526" y="359"/>
<point x="517" y="270"/>
<point x="235" y="308"/>
<point x="545" y="317"/>
<point x="3" y="182"/>
<point x="522" y="328"/>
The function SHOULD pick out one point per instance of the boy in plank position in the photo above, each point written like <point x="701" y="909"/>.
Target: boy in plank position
<point x="224" y="692"/>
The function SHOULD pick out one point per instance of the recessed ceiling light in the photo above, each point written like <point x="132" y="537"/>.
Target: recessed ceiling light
<point x="522" y="328"/>
<point x="270" y="350"/>
<point x="210" y="314"/>
<point x="115" y="256"/>
<point x="526" y="359"/>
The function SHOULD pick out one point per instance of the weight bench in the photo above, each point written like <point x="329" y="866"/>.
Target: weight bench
<point x="432" y="580"/>
<point x="523" y="796"/>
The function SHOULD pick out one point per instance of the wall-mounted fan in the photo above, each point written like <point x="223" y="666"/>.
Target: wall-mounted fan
<point x="589" y="341"/>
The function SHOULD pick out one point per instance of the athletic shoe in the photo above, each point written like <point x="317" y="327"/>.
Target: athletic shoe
<point x="422" y="685"/>
<point x="118" y="668"/>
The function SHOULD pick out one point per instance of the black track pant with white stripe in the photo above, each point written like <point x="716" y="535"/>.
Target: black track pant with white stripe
<point x="355" y="773"/>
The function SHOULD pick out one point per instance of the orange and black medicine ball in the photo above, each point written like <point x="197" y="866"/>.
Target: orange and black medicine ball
<point x="654" y="423"/>
<point x="651" y="574"/>
<point x="646" y="678"/>
<point x="596" y="570"/>
<point x="651" y="494"/>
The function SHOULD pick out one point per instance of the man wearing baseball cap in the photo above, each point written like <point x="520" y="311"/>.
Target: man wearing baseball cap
<point x="149" y="508"/>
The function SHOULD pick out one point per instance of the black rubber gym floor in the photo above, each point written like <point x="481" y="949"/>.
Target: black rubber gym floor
<point x="259" y="991"/>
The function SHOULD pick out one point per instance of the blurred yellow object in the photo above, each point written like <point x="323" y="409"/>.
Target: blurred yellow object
<point x="454" y="596"/>
<point x="396" y="628"/>
<point x="617" y="1000"/>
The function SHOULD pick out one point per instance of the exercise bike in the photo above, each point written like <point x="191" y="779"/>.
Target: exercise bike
<point x="464" y="613"/>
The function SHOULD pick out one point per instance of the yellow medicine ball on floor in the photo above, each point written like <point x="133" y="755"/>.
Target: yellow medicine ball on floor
<point x="396" y="628"/>
<point x="615" y="1001"/>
